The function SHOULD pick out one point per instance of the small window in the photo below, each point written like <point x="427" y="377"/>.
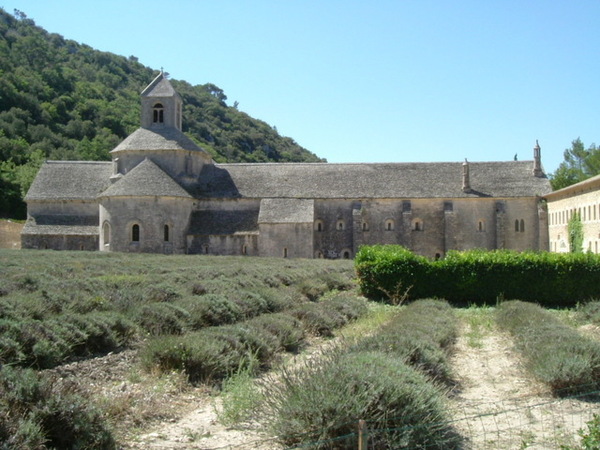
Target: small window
<point x="365" y="226"/>
<point x="206" y="249"/>
<point x="389" y="225"/>
<point x="244" y="250"/>
<point x="481" y="226"/>
<point x="346" y="255"/>
<point x="517" y="225"/>
<point x="522" y="226"/>
<point x="319" y="254"/>
<point x="166" y="233"/>
<point x="340" y="225"/>
<point x="158" y="113"/>
<point x="318" y="225"/>
<point x="106" y="233"/>
<point x="285" y="252"/>
<point x="135" y="233"/>
<point x="417" y="225"/>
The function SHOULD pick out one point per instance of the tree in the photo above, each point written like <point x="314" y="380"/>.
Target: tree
<point x="579" y="164"/>
<point x="575" y="231"/>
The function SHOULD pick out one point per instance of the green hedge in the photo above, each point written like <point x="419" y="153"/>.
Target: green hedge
<point x="479" y="276"/>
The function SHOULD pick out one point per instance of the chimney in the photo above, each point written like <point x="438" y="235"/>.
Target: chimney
<point x="537" y="160"/>
<point x="466" y="184"/>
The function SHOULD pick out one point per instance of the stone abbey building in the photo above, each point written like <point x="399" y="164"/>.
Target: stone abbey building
<point x="163" y="194"/>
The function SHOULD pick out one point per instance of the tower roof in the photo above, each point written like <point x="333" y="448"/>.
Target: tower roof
<point x="157" y="139"/>
<point x="160" y="87"/>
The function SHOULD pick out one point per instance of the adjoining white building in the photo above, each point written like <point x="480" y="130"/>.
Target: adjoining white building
<point x="582" y="198"/>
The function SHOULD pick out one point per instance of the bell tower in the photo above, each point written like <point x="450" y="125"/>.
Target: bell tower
<point x="161" y="105"/>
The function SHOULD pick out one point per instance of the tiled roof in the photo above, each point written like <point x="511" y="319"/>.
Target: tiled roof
<point x="377" y="180"/>
<point x="159" y="138"/>
<point x="145" y="179"/>
<point x="159" y="87"/>
<point x="224" y="222"/>
<point x="54" y="230"/>
<point x="286" y="210"/>
<point x="70" y="180"/>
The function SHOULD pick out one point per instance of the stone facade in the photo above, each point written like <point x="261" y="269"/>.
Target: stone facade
<point x="163" y="194"/>
<point x="582" y="198"/>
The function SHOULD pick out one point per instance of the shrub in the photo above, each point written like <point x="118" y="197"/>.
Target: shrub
<point x="313" y="288"/>
<point x="388" y="272"/>
<point x="479" y="276"/>
<point x="206" y="355"/>
<point x="162" y="292"/>
<point x="350" y="306"/>
<point x="319" y="404"/>
<point x="32" y="415"/>
<point x="589" y="312"/>
<point x="287" y="329"/>
<point x="317" y="319"/>
<point x="555" y="353"/>
<point x="210" y="310"/>
<point x="162" y="318"/>
<point x="251" y="304"/>
<point x="100" y="331"/>
<point x="420" y="335"/>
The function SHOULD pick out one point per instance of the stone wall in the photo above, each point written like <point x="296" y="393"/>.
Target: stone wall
<point x="119" y="215"/>
<point x="429" y="227"/>
<point x="231" y="245"/>
<point x="60" y="242"/>
<point x="287" y="240"/>
<point x="10" y="234"/>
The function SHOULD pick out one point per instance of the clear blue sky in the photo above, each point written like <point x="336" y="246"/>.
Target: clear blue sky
<point x="376" y="81"/>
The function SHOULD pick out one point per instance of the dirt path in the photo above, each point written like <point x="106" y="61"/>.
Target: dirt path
<point x="200" y="428"/>
<point x="497" y="406"/>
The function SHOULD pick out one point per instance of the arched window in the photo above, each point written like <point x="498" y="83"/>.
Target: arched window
<point x="417" y="225"/>
<point x="346" y="254"/>
<point x="135" y="233"/>
<point x="158" y="113"/>
<point x="285" y="252"/>
<point x="106" y="233"/>
<point x="166" y="233"/>
<point x="365" y="226"/>
<point x="340" y="225"/>
<point x="522" y="226"/>
<point x="481" y="226"/>
<point x="318" y="225"/>
<point x="517" y="225"/>
<point x="389" y="225"/>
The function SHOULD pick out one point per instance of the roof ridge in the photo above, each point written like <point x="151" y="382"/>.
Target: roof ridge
<point x="50" y="161"/>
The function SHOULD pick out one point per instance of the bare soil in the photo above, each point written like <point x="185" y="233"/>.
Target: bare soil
<point x="496" y="404"/>
<point x="499" y="406"/>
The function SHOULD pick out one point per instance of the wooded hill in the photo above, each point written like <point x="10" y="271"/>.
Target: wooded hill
<point x="63" y="100"/>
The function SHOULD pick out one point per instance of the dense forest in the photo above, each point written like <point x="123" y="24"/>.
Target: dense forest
<point x="63" y="100"/>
